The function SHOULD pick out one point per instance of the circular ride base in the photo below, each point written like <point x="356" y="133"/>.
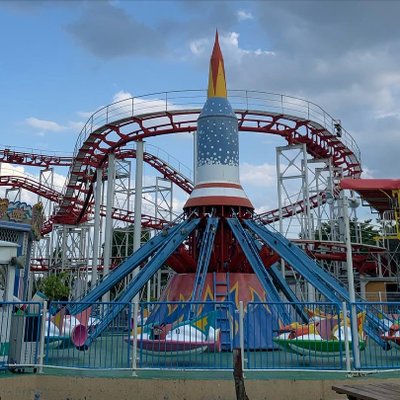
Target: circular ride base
<point x="228" y="289"/>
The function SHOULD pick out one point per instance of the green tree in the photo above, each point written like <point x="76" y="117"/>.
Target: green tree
<point x="55" y="286"/>
<point x="122" y="242"/>
<point x="367" y="231"/>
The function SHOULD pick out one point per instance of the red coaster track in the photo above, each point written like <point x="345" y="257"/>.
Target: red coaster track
<point x="114" y="126"/>
<point x="108" y="138"/>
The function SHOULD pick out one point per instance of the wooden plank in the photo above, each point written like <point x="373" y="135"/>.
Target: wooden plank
<point x="370" y="391"/>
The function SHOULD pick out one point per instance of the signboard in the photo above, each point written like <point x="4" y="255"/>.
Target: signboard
<point x="21" y="212"/>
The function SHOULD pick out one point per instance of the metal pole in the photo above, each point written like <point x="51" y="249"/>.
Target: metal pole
<point x="306" y="195"/>
<point x="134" y="335"/>
<point x="241" y="331"/>
<point x="108" y="223"/>
<point x="149" y="290"/>
<point x="96" y="233"/>
<point x="346" y="338"/>
<point x="306" y="221"/>
<point x="159" y="277"/>
<point x="350" y="278"/>
<point x="137" y="227"/>
<point x="10" y="283"/>
<point x="64" y="248"/>
<point x="42" y="337"/>
<point x="279" y="189"/>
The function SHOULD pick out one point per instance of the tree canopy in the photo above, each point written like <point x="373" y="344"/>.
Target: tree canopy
<point x="367" y="231"/>
<point x="55" y="286"/>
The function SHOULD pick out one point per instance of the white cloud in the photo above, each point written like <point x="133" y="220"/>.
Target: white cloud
<point x="198" y="46"/>
<point x="242" y="15"/>
<point x="177" y="204"/>
<point x="126" y="102"/>
<point x="27" y="196"/>
<point x="368" y="173"/>
<point x="11" y="170"/>
<point x="121" y="95"/>
<point x="85" y="114"/>
<point x="44" y="125"/>
<point x="231" y="41"/>
<point x="76" y="125"/>
<point x="230" y="47"/>
<point x="258" y="175"/>
<point x="58" y="181"/>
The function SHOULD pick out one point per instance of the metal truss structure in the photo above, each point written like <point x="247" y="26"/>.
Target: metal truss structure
<point x="316" y="155"/>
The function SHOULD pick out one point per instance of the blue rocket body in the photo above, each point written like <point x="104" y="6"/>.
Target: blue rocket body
<point x="217" y="167"/>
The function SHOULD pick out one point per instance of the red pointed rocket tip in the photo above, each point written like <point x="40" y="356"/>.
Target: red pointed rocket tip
<point x="216" y="83"/>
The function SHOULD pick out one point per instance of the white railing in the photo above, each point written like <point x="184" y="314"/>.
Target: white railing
<point x="195" y="99"/>
<point x="30" y="150"/>
<point x="5" y="171"/>
<point x="390" y="223"/>
<point x="172" y="161"/>
<point x="289" y="106"/>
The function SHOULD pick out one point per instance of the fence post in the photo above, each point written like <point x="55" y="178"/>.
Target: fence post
<point x="134" y="335"/>
<point x="42" y="336"/>
<point x="241" y="331"/>
<point x="354" y="334"/>
<point x="346" y="338"/>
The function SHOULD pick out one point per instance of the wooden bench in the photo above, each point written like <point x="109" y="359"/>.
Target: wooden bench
<point x="370" y="391"/>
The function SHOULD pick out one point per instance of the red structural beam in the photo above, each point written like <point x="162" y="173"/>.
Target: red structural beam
<point x="320" y="144"/>
<point x="32" y="186"/>
<point x="92" y="152"/>
<point x="47" y="161"/>
<point x="291" y="209"/>
<point x="53" y="195"/>
<point x="378" y="193"/>
<point x="11" y="156"/>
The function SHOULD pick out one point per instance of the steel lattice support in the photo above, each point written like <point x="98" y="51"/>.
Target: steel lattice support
<point x="41" y="249"/>
<point x="302" y="184"/>
<point x="292" y="181"/>
<point x="71" y="250"/>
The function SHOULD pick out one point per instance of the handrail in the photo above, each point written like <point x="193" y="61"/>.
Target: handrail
<point x="164" y="102"/>
<point x="172" y="161"/>
<point x="240" y="99"/>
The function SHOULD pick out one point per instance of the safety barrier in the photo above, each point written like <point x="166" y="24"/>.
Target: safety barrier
<point x="187" y="335"/>
<point x="201" y="335"/>
<point x="66" y="336"/>
<point x="386" y="356"/>
<point x="21" y="331"/>
<point x="316" y="344"/>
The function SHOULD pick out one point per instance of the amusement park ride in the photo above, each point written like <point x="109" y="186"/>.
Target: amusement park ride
<point x="219" y="249"/>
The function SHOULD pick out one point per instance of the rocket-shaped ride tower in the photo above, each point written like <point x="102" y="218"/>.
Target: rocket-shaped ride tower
<point x="220" y="253"/>
<point x="217" y="182"/>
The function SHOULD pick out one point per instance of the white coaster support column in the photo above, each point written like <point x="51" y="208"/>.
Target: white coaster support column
<point x="96" y="231"/>
<point x="108" y="220"/>
<point x="137" y="228"/>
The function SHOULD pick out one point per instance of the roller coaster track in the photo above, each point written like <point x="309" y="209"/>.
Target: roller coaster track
<point x="32" y="186"/>
<point x="114" y="126"/>
<point x="11" y="156"/>
<point x="332" y="250"/>
<point x="55" y="196"/>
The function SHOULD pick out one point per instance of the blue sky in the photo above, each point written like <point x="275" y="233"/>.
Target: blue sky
<point x="60" y="61"/>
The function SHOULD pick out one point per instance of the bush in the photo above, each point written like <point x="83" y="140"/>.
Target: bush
<point x="55" y="287"/>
